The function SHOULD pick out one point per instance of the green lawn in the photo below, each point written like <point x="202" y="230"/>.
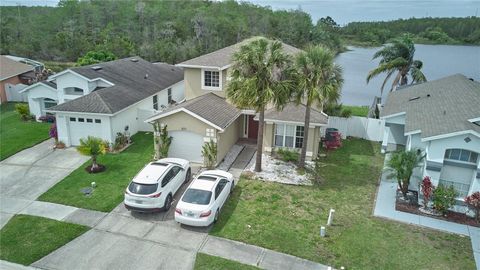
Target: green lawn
<point x="207" y="262"/>
<point x="26" y="239"/>
<point x="15" y="134"/>
<point x="288" y="218"/>
<point x="111" y="184"/>
<point x="357" y="110"/>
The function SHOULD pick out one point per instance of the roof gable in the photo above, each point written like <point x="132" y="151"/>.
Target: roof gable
<point x="10" y="68"/>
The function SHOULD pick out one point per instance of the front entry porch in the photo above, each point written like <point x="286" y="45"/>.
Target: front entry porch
<point x="249" y="129"/>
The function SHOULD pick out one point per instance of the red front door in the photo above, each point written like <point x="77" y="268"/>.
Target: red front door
<point x="252" y="127"/>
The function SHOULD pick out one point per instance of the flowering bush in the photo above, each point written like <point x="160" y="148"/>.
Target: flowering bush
<point x="47" y="118"/>
<point x="473" y="201"/>
<point x="427" y="190"/>
<point x="53" y="132"/>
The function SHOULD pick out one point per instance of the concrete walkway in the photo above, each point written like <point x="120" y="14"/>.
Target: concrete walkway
<point x="13" y="206"/>
<point x="385" y="208"/>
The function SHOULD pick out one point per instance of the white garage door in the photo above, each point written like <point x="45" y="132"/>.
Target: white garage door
<point x="186" y="145"/>
<point x="82" y="127"/>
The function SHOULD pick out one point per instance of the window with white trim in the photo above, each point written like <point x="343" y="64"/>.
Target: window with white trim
<point x="461" y="155"/>
<point x="155" y="102"/>
<point x="211" y="79"/>
<point x="289" y="136"/>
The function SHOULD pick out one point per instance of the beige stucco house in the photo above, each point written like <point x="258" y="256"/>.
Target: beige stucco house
<point x="207" y="115"/>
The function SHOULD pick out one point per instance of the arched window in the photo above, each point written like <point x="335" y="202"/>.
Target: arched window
<point x="461" y="155"/>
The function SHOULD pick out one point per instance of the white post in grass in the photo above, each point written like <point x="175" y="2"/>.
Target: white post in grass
<point x="322" y="231"/>
<point x="330" y="217"/>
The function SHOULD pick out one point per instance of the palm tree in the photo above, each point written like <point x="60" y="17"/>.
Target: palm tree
<point x="259" y="77"/>
<point x="319" y="81"/>
<point x="401" y="166"/>
<point x="398" y="57"/>
<point x="92" y="146"/>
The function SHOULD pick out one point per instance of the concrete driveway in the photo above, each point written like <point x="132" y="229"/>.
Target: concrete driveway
<point x="29" y="173"/>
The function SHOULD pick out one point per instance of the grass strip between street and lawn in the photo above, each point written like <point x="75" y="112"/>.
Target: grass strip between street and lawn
<point x="17" y="134"/>
<point x="288" y="218"/>
<point x="111" y="184"/>
<point x="207" y="262"/>
<point x="26" y="239"/>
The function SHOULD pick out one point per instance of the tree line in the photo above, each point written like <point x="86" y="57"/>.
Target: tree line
<point x="173" y="31"/>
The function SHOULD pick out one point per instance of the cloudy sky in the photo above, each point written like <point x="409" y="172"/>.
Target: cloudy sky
<point x="344" y="11"/>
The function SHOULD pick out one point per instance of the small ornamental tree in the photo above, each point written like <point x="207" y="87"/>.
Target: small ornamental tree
<point x="53" y="132"/>
<point x="427" y="190"/>
<point x="209" y="153"/>
<point x="473" y="202"/>
<point x="165" y="142"/>
<point x="401" y="166"/>
<point x="92" y="146"/>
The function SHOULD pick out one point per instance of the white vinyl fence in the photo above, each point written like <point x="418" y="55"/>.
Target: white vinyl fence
<point x="360" y="127"/>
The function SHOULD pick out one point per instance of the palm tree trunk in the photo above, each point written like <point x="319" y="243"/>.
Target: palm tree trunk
<point x="258" y="161"/>
<point x="94" y="162"/>
<point x="303" y="154"/>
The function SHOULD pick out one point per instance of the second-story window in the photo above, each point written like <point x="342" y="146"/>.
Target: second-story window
<point x="211" y="78"/>
<point x="169" y="91"/>
<point x="155" y="102"/>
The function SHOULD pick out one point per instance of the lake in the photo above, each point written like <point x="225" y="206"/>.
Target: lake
<point x="438" y="61"/>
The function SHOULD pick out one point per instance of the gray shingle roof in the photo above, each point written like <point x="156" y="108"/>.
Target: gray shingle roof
<point x="130" y="86"/>
<point x="443" y="106"/>
<point x="296" y="113"/>
<point x="223" y="57"/>
<point x="210" y="107"/>
<point x="10" y="68"/>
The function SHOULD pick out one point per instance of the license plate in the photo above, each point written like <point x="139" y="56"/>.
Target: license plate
<point x="190" y="214"/>
<point x="138" y="201"/>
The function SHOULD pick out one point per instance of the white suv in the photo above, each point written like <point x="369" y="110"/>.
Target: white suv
<point x="153" y="188"/>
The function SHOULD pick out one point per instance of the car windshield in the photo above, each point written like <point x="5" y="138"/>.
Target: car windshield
<point x="197" y="196"/>
<point x="142" y="189"/>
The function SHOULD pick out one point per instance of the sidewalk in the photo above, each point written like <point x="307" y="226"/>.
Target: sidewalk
<point x="13" y="206"/>
<point x="385" y="208"/>
<point x="256" y="256"/>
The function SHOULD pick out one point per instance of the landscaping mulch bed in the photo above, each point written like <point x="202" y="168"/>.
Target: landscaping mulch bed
<point x="451" y="216"/>
<point x="100" y="168"/>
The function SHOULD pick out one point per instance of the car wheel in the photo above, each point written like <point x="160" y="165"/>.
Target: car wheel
<point x="188" y="176"/>
<point x="168" y="202"/>
<point x="216" y="217"/>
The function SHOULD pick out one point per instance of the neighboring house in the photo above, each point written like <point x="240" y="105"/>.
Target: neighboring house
<point x="442" y="118"/>
<point x="103" y="99"/>
<point x="14" y="77"/>
<point x="208" y="115"/>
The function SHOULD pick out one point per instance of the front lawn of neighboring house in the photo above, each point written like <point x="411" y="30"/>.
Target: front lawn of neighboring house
<point x="287" y="218"/>
<point x="26" y="239"/>
<point x="16" y="134"/>
<point x="357" y="110"/>
<point x="207" y="262"/>
<point x="111" y="184"/>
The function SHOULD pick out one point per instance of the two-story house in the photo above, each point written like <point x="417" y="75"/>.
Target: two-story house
<point x="207" y="114"/>
<point x="442" y="119"/>
<point x="103" y="99"/>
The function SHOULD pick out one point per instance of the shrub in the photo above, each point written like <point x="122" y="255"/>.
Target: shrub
<point x="53" y="132"/>
<point x="209" y="153"/>
<point x="165" y="142"/>
<point x="23" y="110"/>
<point x="120" y="141"/>
<point x="444" y="198"/>
<point x="427" y="190"/>
<point x="47" y="118"/>
<point x="473" y="202"/>
<point x="288" y="155"/>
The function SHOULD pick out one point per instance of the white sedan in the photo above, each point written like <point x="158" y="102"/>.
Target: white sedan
<point x="153" y="188"/>
<point x="203" y="200"/>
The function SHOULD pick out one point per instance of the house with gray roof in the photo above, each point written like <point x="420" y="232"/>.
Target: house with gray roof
<point x="441" y="118"/>
<point x="106" y="98"/>
<point x="208" y="115"/>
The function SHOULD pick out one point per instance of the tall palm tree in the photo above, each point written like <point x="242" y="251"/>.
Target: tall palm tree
<point x="397" y="57"/>
<point x="319" y="81"/>
<point x="260" y="77"/>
